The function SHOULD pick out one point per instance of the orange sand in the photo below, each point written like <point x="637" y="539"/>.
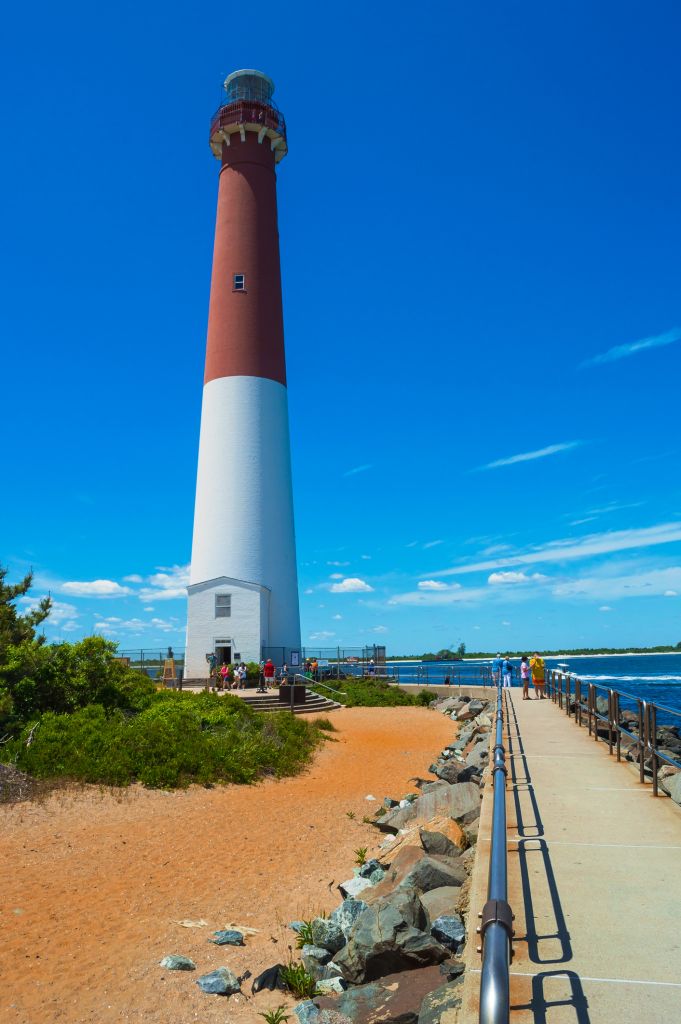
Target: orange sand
<point x="93" y="881"/>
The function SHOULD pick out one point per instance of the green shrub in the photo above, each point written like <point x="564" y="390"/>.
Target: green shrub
<point x="178" y="739"/>
<point x="298" y="981"/>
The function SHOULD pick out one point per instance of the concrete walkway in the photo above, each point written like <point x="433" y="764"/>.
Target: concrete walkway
<point x="594" y="864"/>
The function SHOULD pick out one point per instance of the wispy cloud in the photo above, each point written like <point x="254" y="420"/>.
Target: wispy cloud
<point x="323" y="634"/>
<point x="568" y="548"/>
<point x="540" y="453"/>
<point x="648" y="583"/>
<point x="350" y="586"/>
<point x="432" y="544"/>
<point x="358" y="469"/>
<point x="432" y="585"/>
<point x="630" y="349"/>
<point x="94" y="588"/>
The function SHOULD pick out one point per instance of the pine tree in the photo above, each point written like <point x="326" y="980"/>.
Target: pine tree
<point x="15" y="628"/>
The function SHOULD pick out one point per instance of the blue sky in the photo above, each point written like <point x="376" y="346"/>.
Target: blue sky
<point x="480" y="224"/>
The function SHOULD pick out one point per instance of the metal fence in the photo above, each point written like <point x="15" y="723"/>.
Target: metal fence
<point x="619" y="718"/>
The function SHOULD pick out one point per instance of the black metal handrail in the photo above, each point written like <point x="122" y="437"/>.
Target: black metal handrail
<point x="496" y="926"/>
<point x="581" y="699"/>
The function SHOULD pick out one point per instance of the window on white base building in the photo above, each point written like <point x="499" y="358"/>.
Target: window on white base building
<point x="223" y="606"/>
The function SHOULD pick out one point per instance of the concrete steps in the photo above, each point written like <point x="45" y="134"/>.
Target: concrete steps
<point x="314" y="703"/>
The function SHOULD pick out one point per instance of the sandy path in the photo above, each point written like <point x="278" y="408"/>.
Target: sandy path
<point x="92" y="882"/>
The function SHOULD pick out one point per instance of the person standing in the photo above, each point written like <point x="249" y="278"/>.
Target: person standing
<point x="525" y="676"/>
<point x="507" y="673"/>
<point x="496" y="669"/>
<point x="537" y="670"/>
<point x="268" y="672"/>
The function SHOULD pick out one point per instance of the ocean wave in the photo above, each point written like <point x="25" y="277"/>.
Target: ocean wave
<point x="651" y="680"/>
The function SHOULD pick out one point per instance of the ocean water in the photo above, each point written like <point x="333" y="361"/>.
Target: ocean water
<point x="651" y="677"/>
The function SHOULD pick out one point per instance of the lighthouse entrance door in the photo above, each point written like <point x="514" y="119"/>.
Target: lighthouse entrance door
<point x="223" y="652"/>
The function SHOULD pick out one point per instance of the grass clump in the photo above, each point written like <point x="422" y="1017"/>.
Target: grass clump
<point x="298" y="981"/>
<point x="278" y="1016"/>
<point x="361" y="855"/>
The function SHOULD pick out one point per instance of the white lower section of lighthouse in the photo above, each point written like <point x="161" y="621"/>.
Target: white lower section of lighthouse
<point x="243" y="588"/>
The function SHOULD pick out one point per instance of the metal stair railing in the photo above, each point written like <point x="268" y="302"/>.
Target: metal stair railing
<point x="496" y="925"/>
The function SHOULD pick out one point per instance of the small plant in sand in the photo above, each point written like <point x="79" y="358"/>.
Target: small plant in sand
<point x="351" y="815"/>
<point x="361" y="855"/>
<point x="278" y="1016"/>
<point x="304" y="936"/>
<point x="298" y="981"/>
<point x="366" y="820"/>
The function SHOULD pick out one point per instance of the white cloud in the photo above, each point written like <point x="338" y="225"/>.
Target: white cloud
<point x="586" y="547"/>
<point x="630" y="349"/>
<point x="115" y="626"/>
<point x="367" y="558"/>
<point x="540" y="453"/>
<point x="340" y="564"/>
<point x="358" y="469"/>
<point x="337" y="616"/>
<point x="432" y="544"/>
<point x="94" y="588"/>
<point x="336" y="576"/>
<point x="168" y="584"/>
<point x="310" y="590"/>
<point x="61" y="612"/>
<point x="432" y="585"/>
<point x="379" y="629"/>
<point x="351" y="585"/>
<point x="134" y="578"/>
<point x="671" y="593"/>
<point x="605" y="608"/>
<point x="514" y="577"/>
<point x="505" y="623"/>
<point x="323" y="634"/>
<point x="149" y="609"/>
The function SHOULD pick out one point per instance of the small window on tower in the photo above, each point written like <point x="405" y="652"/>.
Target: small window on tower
<point x="239" y="283"/>
<point x="223" y="606"/>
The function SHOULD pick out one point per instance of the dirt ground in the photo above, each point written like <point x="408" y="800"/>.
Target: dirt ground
<point x="94" y="882"/>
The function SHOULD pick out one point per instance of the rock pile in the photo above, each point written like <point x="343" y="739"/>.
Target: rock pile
<point x="391" y="950"/>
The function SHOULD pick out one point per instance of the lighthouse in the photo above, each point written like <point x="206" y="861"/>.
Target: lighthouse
<point x="243" y="586"/>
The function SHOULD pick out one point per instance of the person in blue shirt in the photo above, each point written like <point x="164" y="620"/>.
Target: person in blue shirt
<point x="496" y="669"/>
<point x="507" y="672"/>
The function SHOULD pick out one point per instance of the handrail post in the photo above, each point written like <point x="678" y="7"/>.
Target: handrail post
<point x="496" y="928"/>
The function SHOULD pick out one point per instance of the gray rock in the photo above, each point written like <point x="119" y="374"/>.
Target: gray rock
<point x="478" y="756"/>
<point x="173" y="962"/>
<point x="327" y="933"/>
<point x="229" y="937"/>
<point x="346" y="915"/>
<point x="434" y="872"/>
<point x="464" y="800"/>
<point x="436" y="1004"/>
<point x="366" y="869"/>
<point x="452" y="969"/>
<point x="464" y="715"/>
<point x="477" y="706"/>
<point x="314" y="959"/>
<point x="470" y="832"/>
<point x="440" y="902"/>
<point x="450" y="931"/>
<point x="388" y="937"/>
<point x="221" y="982"/>
<point x="353" y="887"/>
<point x="307" y="1012"/>
<point x="389" y="803"/>
<point x="602" y="705"/>
<point x="672" y="786"/>
<point x="467" y="858"/>
<point x="337" y="984"/>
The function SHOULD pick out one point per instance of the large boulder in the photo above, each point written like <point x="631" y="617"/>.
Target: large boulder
<point x="327" y="933"/>
<point x="314" y="959"/>
<point x="442" y="1005"/>
<point x="671" y="784"/>
<point x="438" y="842"/>
<point x="413" y="868"/>
<point x="394" y="999"/>
<point x="456" y="800"/>
<point x="346" y="915"/>
<point x="453" y="771"/>
<point x="354" y="886"/>
<point x="389" y="937"/>
<point x="478" y="756"/>
<point x="439" y="902"/>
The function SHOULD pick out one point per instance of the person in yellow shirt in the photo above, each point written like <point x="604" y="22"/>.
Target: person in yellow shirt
<point x="537" y="670"/>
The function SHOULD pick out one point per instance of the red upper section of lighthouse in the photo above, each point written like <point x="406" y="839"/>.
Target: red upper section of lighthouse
<point x="245" y="319"/>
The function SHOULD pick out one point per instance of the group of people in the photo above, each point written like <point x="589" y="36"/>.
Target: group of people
<point x="531" y="670"/>
<point x="231" y="677"/>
